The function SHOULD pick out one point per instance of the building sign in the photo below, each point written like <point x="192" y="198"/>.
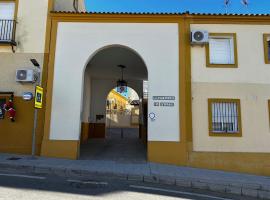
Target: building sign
<point x="38" y="97"/>
<point x="166" y="104"/>
<point x="2" y="110"/>
<point x="163" y="98"/>
<point x="164" y="101"/>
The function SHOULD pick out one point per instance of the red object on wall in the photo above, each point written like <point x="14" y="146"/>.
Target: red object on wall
<point x="12" y="114"/>
<point x="9" y="108"/>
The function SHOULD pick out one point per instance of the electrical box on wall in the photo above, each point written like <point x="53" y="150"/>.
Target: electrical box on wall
<point x="26" y="75"/>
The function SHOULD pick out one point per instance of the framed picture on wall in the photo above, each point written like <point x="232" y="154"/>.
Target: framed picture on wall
<point x="2" y="111"/>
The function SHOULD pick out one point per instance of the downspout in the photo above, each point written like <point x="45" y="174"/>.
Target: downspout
<point x="75" y="5"/>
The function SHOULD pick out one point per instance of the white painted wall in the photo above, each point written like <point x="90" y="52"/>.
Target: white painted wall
<point x="31" y="27"/>
<point x="250" y="83"/>
<point x="156" y="43"/>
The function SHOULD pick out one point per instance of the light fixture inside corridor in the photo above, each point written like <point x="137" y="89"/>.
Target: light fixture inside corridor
<point x="121" y="83"/>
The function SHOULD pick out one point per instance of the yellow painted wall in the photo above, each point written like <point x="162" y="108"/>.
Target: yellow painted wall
<point x="17" y="137"/>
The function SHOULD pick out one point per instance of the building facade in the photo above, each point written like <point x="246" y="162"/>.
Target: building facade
<point x="207" y="106"/>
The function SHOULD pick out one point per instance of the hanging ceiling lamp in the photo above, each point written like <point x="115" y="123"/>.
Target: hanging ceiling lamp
<point x="121" y="83"/>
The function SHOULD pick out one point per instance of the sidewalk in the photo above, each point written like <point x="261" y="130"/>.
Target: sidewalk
<point x="219" y="181"/>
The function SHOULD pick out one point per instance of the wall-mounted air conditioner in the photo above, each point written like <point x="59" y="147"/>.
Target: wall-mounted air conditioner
<point x="199" y="37"/>
<point x="26" y="75"/>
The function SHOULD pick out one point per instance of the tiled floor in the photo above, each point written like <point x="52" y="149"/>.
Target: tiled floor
<point x="128" y="149"/>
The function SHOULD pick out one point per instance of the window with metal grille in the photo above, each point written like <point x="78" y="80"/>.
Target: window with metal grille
<point x="266" y="40"/>
<point x="7" y="22"/>
<point x="224" y="117"/>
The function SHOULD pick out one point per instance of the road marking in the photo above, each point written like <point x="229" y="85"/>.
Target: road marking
<point x="24" y="176"/>
<point x="87" y="182"/>
<point x="177" y="192"/>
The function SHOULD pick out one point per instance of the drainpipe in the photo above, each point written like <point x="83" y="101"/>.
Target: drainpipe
<point x="75" y="5"/>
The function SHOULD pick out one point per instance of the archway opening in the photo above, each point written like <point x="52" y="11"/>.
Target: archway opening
<point x="114" y="123"/>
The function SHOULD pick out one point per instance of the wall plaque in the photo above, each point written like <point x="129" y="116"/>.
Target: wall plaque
<point x="164" y="98"/>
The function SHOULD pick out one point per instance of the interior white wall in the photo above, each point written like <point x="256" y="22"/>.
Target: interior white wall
<point x="85" y="110"/>
<point x="157" y="43"/>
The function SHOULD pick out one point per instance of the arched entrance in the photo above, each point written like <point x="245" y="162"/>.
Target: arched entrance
<point x="102" y="137"/>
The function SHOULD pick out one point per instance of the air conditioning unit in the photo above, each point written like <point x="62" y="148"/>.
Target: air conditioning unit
<point x="199" y="37"/>
<point x="26" y="75"/>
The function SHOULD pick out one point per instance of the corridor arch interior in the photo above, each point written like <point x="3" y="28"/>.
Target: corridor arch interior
<point x="101" y="136"/>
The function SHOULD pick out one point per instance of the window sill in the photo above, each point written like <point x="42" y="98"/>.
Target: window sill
<point x="8" y="43"/>
<point x="222" y="65"/>
<point x="224" y="134"/>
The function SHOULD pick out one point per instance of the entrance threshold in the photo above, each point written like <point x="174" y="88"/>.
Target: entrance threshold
<point x="120" y="145"/>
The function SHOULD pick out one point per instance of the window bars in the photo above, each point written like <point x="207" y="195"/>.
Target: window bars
<point x="7" y="28"/>
<point x="224" y="116"/>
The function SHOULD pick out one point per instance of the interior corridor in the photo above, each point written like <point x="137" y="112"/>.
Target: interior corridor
<point x="128" y="149"/>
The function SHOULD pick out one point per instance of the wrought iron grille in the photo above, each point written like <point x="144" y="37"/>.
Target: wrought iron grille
<point x="225" y="116"/>
<point x="7" y="31"/>
<point x="268" y="49"/>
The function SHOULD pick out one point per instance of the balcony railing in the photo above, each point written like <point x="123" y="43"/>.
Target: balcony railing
<point x="7" y="32"/>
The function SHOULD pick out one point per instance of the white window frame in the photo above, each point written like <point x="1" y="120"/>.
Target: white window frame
<point x="214" y="50"/>
<point x="7" y="10"/>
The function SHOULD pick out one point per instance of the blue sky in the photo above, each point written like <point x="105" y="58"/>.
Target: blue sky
<point x="200" y="6"/>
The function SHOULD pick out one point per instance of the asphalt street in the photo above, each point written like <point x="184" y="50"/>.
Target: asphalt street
<point x="32" y="187"/>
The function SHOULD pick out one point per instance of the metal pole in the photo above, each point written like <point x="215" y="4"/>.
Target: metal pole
<point x="35" y="121"/>
<point x="34" y="134"/>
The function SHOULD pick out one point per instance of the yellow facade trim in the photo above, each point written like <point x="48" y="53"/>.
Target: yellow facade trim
<point x="224" y="134"/>
<point x="252" y="163"/>
<point x="269" y="110"/>
<point x="266" y="48"/>
<point x="173" y="153"/>
<point x="68" y="149"/>
<point x="16" y="136"/>
<point x="223" y="36"/>
<point x="85" y="128"/>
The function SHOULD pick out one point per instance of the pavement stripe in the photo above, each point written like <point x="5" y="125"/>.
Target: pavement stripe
<point x="177" y="192"/>
<point x="24" y="176"/>
<point x="87" y="182"/>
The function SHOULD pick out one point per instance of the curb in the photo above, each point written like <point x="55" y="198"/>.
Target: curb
<point x="244" y="189"/>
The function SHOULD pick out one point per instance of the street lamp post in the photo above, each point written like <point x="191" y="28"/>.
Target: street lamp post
<point x="37" y="82"/>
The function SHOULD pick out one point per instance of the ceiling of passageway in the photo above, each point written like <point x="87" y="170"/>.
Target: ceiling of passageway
<point x="104" y="64"/>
